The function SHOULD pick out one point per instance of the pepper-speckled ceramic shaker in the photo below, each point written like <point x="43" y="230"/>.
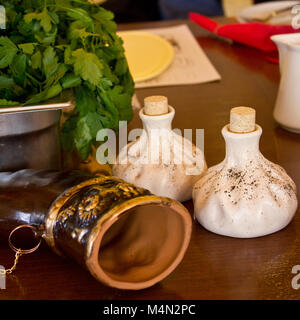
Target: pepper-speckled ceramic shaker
<point x="160" y="160"/>
<point x="245" y="195"/>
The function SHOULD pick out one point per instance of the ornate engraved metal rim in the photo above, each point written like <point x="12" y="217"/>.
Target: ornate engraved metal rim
<point x="60" y="201"/>
<point x="94" y="240"/>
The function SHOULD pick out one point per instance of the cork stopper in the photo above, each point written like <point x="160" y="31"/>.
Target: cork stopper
<point x="242" y="119"/>
<point x="156" y="105"/>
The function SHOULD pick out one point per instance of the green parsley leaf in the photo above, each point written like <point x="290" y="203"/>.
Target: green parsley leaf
<point x="43" y="17"/>
<point x="45" y="95"/>
<point x="80" y="14"/>
<point x="36" y="60"/>
<point x="27" y="48"/>
<point x="18" y="68"/>
<point x="71" y="81"/>
<point x="6" y="103"/>
<point x="88" y="66"/>
<point x="6" y="82"/>
<point x="8" y="50"/>
<point x="58" y="75"/>
<point x="50" y="61"/>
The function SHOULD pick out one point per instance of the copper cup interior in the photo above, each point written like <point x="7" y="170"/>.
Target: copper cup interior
<point x="144" y="244"/>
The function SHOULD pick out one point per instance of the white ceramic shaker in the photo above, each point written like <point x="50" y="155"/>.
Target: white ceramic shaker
<point x="161" y="160"/>
<point x="246" y="195"/>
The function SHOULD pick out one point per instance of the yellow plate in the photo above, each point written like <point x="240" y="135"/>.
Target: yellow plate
<point x="148" y="55"/>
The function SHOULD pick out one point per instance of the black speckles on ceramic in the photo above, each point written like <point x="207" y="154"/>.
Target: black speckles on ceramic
<point x="246" y="195"/>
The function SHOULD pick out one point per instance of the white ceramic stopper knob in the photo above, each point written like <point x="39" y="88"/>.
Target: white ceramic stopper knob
<point x="242" y="119"/>
<point x="156" y="105"/>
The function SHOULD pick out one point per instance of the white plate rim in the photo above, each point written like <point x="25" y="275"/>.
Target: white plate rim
<point x="263" y="7"/>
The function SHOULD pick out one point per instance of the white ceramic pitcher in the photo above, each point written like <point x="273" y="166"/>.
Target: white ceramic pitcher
<point x="287" y="107"/>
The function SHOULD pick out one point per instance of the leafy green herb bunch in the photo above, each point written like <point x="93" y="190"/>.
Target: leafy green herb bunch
<point x="50" y="46"/>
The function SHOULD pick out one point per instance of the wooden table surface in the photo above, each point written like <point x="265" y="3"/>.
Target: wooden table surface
<point x="214" y="267"/>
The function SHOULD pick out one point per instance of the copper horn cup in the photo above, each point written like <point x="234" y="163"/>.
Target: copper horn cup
<point x="125" y="236"/>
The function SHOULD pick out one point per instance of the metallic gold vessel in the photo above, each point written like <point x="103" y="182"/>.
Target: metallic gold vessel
<point x="125" y="236"/>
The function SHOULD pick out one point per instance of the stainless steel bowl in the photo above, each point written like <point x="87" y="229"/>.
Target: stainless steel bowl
<point x="30" y="139"/>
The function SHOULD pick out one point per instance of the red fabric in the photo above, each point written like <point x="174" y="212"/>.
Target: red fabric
<point x="203" y="21"/>
<point x="253" y="34"/>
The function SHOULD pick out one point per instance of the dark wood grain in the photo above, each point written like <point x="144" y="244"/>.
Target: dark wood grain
<point x="214" y="267"/>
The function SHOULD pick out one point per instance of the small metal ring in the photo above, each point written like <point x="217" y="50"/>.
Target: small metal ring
<point x="23" y="251"/>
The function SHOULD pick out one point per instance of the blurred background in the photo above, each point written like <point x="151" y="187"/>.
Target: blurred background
<point x="151" y="10"/>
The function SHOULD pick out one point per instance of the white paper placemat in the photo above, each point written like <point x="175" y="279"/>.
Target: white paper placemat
<point x="190" y="65"/>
